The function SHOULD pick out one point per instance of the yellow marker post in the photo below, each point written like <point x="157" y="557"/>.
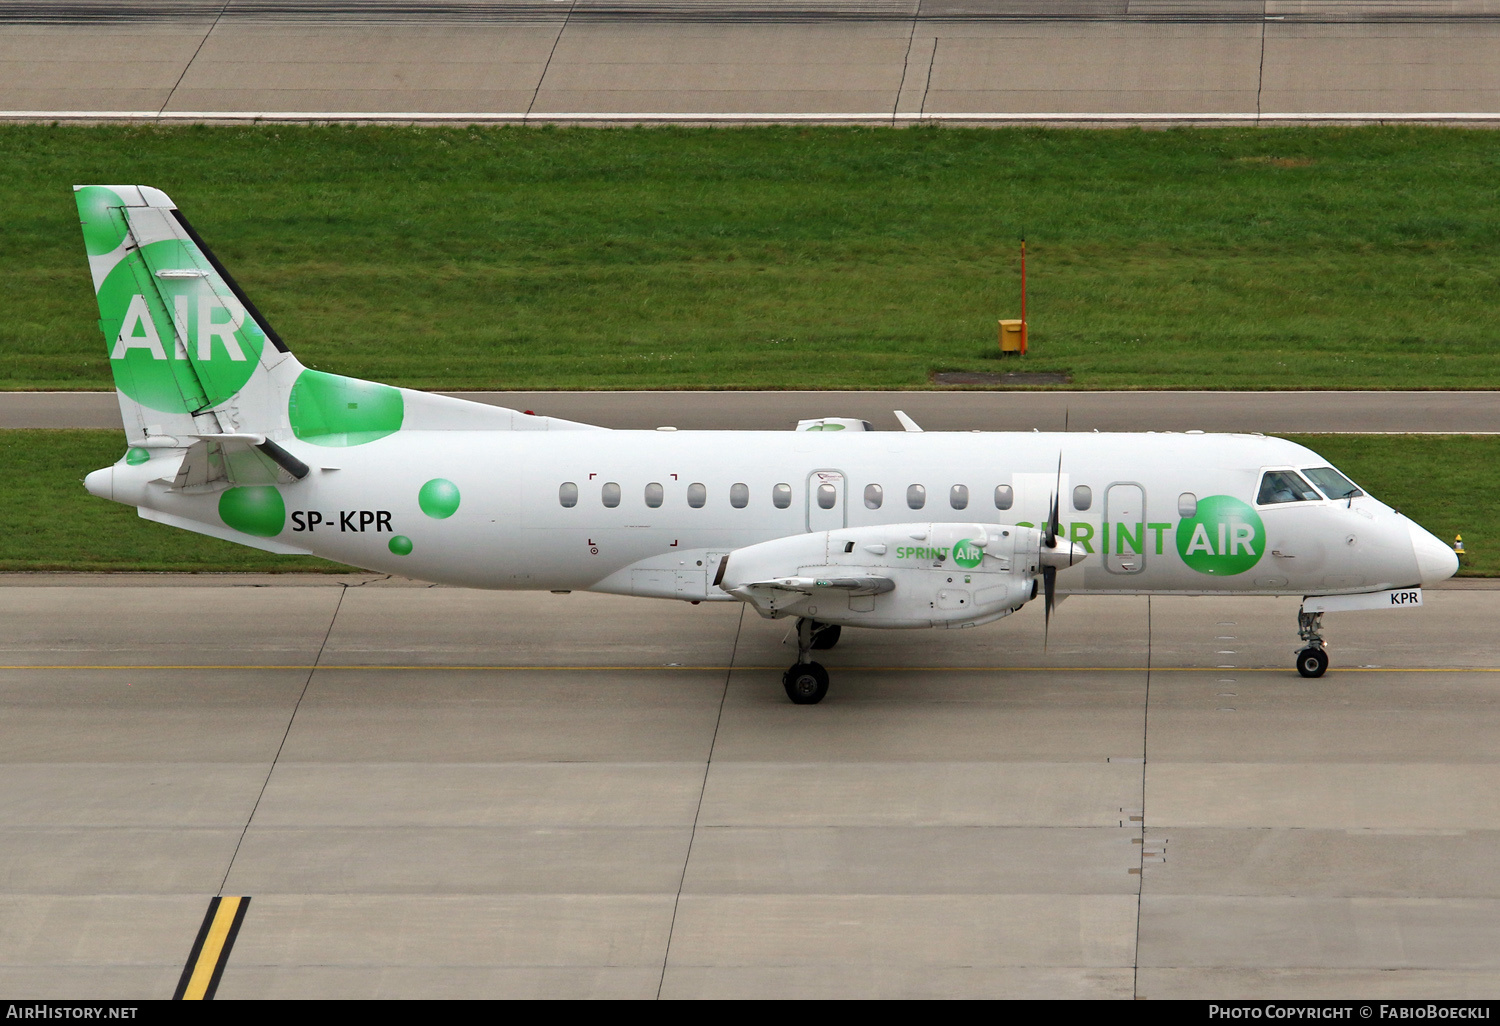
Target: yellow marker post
<point x="200" y="977"/>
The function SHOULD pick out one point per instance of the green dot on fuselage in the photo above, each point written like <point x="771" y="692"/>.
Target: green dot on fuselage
<point x="401" y="545"/>
<point x="257" y="509"/>
<point x="135" y="457"/>
<point x="438" y="498"/>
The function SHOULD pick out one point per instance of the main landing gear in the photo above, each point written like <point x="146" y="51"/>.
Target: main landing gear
<point x="1312" y="661"/>
<point x="806" y="682"/>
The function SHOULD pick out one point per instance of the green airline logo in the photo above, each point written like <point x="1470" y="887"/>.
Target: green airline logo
<point x="1224" y="538"/>
<point x="968" y="555"/>
<point x="177" y="343"/>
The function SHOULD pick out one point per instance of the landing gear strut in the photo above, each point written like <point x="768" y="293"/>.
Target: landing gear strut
<point x="807" y="682"/>
<point x="1312" y="661"/>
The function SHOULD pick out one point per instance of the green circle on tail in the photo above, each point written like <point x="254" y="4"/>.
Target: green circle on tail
<point x="332" y="410"/>
<point x="438" y="498"/>
<point x="136" y="456"/>
<point x="220" y="347"/>
<point x="103" y="231"/>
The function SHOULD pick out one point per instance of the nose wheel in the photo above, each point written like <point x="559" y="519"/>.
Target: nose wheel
<point x="806" y="682"/>
<point x="1312" y="661"/>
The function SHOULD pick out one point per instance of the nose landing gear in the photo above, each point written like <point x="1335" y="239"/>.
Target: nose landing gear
<point x="1312" y="661"/>
<point x="806" y="682"/>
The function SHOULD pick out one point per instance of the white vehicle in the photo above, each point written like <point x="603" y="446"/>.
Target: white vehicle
<point x="833" y="524"/>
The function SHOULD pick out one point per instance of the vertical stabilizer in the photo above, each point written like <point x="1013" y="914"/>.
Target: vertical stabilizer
<point x="189" y="352"/>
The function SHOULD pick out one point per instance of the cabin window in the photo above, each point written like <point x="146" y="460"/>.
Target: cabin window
<point x="874" y="496"/>
<point x="567" y="494"/>
<point x="697" y="495"/>
<point x="1005" y="496"/>
<point x="958" y="496"/>
<point x="781" y="496"/>
<point x="1187" y="505"/>
<point x="654" y="494"/>
<point x="1083" y="497"/>
<point x="916" y="496"/>
<point x="827" y="496"/>
<point x="1284" y="486"/>
<point x="610" y="493"/>
<point x="1333" y="484"/>
<point x="739" y="495"/>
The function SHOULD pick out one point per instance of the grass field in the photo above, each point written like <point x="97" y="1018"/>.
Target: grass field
<point x="797" y="257"/>
<point x="1444" y="482"/>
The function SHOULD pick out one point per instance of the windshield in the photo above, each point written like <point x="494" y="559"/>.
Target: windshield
<point x="1333" y="484"/>
<point x="1284" y="486"/>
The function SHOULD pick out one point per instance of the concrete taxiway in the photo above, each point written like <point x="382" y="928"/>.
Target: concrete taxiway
<point x="896" y="61"/>
<point x="1475" y="412"/>
<point x="437" y="792"/>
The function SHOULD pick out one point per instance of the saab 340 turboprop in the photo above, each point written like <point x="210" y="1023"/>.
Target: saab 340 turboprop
<point x="835" y="525"/>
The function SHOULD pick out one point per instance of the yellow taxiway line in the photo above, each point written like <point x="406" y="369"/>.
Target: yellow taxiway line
<point x="205" y="965"/>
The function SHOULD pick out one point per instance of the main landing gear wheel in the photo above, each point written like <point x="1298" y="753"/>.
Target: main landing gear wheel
<point x="1312" y="662"/>
<point x="805" y="683"/>
<point x="825" y="636"/>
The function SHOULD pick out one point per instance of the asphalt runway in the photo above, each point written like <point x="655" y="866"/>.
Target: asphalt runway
<point x="863" y="61"/>
<point x="435" y="792"/>
<point x="1270" y="412"/>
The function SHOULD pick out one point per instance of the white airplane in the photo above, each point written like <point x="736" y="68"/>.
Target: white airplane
<point x="833" y="524"/>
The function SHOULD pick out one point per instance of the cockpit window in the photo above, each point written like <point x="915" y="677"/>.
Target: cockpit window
<point x="1284" y="486"/>
<point x="1332" y="483"/>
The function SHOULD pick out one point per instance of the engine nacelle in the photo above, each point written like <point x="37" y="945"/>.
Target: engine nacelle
<point x="897" y="575"/>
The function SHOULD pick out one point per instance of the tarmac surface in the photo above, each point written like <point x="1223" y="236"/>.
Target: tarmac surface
<point x="897" y="61"/>
<point x="429" y="791"/>
<point x="1274" y="412"/>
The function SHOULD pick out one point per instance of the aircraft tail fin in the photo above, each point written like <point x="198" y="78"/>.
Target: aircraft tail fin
<point x="198" y="367"/>
<point x="191" y="355"/>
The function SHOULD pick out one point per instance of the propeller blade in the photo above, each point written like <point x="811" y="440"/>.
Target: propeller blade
<point x="1053" y="526"/>
<point x="1049" y="589"/>
<point x="1049" y="572"/>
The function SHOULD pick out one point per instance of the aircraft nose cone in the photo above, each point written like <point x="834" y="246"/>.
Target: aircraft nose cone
<point x="1436" y="561"/>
